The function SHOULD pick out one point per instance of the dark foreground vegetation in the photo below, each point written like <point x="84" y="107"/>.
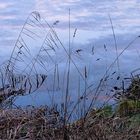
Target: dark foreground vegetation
<point x="46" y="123"/>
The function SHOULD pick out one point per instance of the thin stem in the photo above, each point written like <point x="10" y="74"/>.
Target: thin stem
<point x="115" y="41"/>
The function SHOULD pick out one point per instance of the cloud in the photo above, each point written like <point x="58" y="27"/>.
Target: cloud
<point x="7" y="17"/>
<point x="4" y="5"/>
<point x="85" y="15"/>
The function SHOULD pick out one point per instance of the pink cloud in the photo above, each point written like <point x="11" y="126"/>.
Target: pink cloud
<point x="11" y="27"/>
<point x="5" y="5"/>
<point x="5" y="17"/>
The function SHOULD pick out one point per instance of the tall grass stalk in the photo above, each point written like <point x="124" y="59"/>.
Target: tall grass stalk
<point x="115" y="42"/>
<point x="68" y="82"/>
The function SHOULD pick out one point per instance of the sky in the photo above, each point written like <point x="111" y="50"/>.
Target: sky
<point x="91" y="19"/>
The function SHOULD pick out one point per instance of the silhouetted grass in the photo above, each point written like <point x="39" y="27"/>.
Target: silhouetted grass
<point x="56" y="121"/>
